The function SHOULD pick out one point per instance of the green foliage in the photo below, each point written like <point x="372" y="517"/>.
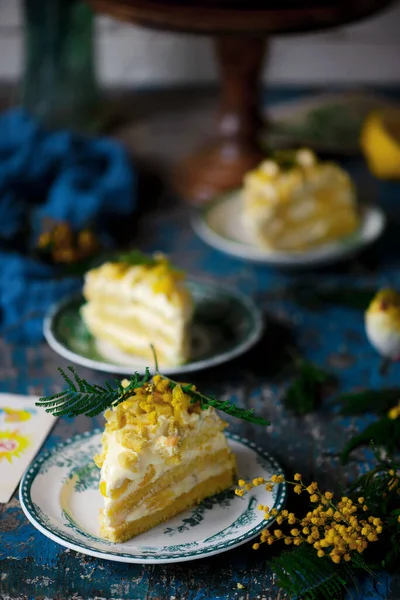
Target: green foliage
<point x="302" y="574"/>
<point x="380" y="488"/>
<point x="376" y="401"/>
<point x="373" y="486"/>
<point x="287" y="158"/>
<point x="136" y="258"/>
<point x="223" y="405"/>
<point x="358" y="299"/>
<point x="317" y="297"/>
<point x="335" y="123"/>
<point x="384" y="433"/>
<point x="303" y="396"/>
<point x="84" y="398"/>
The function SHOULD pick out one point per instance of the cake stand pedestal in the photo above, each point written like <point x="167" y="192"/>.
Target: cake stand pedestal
<point x="233" y="149"/>
<point x="240" y="29"/>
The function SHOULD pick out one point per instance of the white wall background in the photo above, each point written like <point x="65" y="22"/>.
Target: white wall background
<point x="368" y="52"/>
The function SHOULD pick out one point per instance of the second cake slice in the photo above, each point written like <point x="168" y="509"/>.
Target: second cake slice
<point x="132" y="306"/>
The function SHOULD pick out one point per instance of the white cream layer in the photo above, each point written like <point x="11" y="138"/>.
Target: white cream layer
<point x="173" y="351"/>
<point x="129" y="289"/>
<point x="182" y="487"/>
<point x="114" y="475"/>
<point x="148" y="318"/>
<point x="199" y="424"/>
<point x="291" y="233"/>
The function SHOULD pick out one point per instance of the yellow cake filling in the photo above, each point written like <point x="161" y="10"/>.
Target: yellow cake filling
<point x="296" y="202"/>
<point x="130" y="529"/>
<point x="161" y="454"/>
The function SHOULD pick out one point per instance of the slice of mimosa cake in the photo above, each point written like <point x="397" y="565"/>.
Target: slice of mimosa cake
<point x="161" y="454"/>
<point x="138" y="301"/>
<point x="295" y="202"/>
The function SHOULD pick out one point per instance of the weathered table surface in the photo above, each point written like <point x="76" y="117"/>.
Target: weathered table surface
<point x="32" y="566"/>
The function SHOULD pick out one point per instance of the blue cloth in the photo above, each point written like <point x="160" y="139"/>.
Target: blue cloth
<point x="54" y="175"/>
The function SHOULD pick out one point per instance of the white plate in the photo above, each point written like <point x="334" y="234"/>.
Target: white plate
<point x="59" y="495"/>
<point x="218" y="224"/>
<point x="225" y="324"/>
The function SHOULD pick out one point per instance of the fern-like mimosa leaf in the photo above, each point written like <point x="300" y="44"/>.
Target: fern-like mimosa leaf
<point x="222" y="405"/>
<point x="303" y="395"/>
<point x="376" y="401"/>
<point x="84" y="398"/>
<point x="67" y="379"/>
<point x="384" y="433"/>
<point x="136" y="258"/>
<point x="302" y="574"/>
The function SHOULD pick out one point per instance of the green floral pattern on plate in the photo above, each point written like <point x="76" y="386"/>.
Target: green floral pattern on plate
<point x="88" y="477"/>
<point x="197" y="515"/>
<point x="59" y="495"/>
<point x="247" y="517"/>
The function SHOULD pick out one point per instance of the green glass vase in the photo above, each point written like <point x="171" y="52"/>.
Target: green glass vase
<point x="59" y="80"/>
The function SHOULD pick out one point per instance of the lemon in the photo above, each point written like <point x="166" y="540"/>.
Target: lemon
<point x="380" y="142"/>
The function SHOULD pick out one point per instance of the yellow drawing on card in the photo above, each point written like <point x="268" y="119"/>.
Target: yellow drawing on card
<point x="12" y="445"/>
<point x="16" y="416"/>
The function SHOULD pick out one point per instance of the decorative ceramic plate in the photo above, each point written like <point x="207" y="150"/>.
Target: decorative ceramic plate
<point x="218" y="224"/>
<point x="225" y="324"/>
<point x="59" y="495"/>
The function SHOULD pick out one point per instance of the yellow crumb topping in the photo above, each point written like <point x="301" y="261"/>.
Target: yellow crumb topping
<point x="153" y="411"/>
<point x="279" y="178"/>
<point x="159" y="274"/>
<point x="151" y="401"/>
<point x="165" y="277"/>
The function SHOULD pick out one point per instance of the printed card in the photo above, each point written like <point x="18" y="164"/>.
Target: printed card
<point x="23" y="429"/>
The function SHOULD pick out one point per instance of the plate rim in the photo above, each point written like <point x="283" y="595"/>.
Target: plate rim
<point x="198" y="365"/>
<point x="33" y="469"/>
<point x="324" y="254"/>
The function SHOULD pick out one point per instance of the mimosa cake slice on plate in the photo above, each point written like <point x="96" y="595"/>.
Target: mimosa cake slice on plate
<point x="294" y="202"/>
<point x="133" y="304"/>
<point x="161" y="454"/>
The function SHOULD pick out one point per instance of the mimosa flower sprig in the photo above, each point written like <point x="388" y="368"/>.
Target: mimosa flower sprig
<point x="334" y="530"/>
<point x="325" y="548"/>
<point x="83" y="398"/>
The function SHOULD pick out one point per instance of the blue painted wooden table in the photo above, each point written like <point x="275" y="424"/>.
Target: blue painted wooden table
<point x="33" y="566"/>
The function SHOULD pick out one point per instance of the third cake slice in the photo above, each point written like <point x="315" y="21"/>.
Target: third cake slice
<point x="295" y="202"/>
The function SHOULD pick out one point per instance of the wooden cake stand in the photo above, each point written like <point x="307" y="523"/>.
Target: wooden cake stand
<point x="240" y="29"/>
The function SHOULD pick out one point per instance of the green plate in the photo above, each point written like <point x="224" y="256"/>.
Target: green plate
<point x="225" y="325"/>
